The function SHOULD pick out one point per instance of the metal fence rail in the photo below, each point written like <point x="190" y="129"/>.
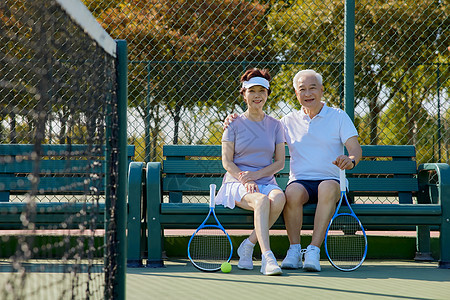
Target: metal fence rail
<point x="186" y="58"/>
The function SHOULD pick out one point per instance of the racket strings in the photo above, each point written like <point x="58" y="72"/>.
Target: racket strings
<point x="209" y="248"/>
<point x="346" y="242"/>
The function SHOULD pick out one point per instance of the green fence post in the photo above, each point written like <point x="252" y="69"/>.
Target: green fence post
<point x="438" y="87"/>
<point x="147" y="115"/>
<point x="121" y="209"/>
<point x="349" y="58"/>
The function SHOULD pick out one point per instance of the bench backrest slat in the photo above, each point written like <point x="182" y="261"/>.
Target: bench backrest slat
<point x="63" y="169"/>
<point x="215" y="167"/>
<point x="384" y="170"/>
<point x="201" y="184"/>
<point x="193" y="166"/>
<point x="54" y="167"/>
<point x="190" y="184"/>
<point x="52" y="185"/>
<point x="389" y="151"/>
<point x="192" y="150"/>
<point x="56" y="150"/>
<point x="385" y="167"/>
<point x="216" y="150"/>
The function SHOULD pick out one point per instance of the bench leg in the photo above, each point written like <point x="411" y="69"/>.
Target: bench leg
<point x="154" y="198"/>
<point x="444" y="193"/>
<point x="155" y="250"/>
<point x="423" y="244"/>
<point x="442" y="171"/>
<point x="444" y="241"/>
<point x="135" y="176"/>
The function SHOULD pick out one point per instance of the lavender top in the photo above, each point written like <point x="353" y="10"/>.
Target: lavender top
<point x="254" y="144"/>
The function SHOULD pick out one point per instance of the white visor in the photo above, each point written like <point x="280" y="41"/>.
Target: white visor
<point x="256" y="81"/>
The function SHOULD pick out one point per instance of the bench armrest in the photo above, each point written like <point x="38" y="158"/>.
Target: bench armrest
<point x="435" y="177"/>
<point x="434" y="183"/>
<point x="135" y="198"/>
<point x="135" y="195"/>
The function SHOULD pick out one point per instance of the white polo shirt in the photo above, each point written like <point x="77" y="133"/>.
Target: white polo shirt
<point x="315" y="143"/>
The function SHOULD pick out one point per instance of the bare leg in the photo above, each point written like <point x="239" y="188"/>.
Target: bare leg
<point x="296" y="197"/>
<point x="260" y="204"/>
<point x="277" y="202"/>
<point x="328" y="195"/>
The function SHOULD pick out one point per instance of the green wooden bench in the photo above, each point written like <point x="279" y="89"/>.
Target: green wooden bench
<point x="423" y="197"/>
<point x="65" y="171"/>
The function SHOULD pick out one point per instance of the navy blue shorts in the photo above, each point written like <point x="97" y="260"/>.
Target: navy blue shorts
<point x="312" y="187"/>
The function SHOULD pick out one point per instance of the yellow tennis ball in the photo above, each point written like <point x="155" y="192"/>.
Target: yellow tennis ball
<point x="226" y="267"/>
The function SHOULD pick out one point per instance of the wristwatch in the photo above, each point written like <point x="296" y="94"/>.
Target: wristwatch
<point x="354" y="163"/>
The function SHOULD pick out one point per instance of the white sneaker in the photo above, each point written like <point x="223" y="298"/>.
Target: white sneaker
<point x="312" y="259"/>
<point x="245" y="252"/>
<point x="293" y="259"/>
<point x="269" y="265"/>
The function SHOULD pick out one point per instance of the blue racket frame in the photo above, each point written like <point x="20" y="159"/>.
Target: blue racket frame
<point x="343" y="187"/>
<point x="212" y="192"/>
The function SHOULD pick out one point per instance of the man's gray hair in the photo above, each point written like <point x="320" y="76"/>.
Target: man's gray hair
<point x="305" y="72"/>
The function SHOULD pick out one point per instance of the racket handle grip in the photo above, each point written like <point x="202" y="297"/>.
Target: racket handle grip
<point x="212" y="194"/>
<point x="342" y="180"/>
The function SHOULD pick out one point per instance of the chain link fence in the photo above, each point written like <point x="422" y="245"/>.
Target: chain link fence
<point x="186" y="58"/>
<point x="61" y="177"/>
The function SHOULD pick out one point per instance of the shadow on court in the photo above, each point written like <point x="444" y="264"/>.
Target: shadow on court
<point x="374" y="280"/>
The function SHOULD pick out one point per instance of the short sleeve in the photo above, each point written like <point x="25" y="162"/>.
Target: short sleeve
<point x="228" y="134"/>
<point x="347" y="129"/>
<point x="279" y="134"/>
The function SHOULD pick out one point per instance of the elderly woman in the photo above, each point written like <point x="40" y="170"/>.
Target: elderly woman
<point x="316" y="135"/>
<point x="252" y="152"/>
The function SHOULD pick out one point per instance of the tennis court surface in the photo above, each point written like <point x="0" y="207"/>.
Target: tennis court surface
<point x="374" y="280"/>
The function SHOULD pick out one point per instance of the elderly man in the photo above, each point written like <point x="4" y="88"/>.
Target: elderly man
<point x="316" y="135"/>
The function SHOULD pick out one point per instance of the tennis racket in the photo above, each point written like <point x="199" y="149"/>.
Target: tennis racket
<point x="345" y="239"/>
<point x="210" y="245"/>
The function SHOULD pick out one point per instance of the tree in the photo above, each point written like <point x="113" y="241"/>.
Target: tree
<point x="185" y="51"/>
<point x="309" y="34"/>
<point x="186" y="56"/>
<point x="397" y="43"/>
<point x="50" y="88"/>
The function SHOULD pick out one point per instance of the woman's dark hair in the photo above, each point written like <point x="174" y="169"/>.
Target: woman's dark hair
<point x="255" y="72"/>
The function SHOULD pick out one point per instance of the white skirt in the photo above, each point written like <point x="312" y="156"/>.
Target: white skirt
<point x="232" y="192"/>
